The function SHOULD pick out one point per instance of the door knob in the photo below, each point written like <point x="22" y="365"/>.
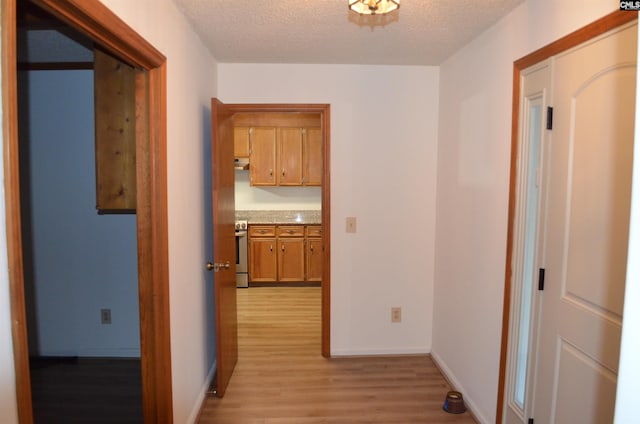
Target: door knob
<point x="217" y="266"/>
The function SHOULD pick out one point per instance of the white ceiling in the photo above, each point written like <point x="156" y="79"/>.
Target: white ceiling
<point x="421" y="32"/>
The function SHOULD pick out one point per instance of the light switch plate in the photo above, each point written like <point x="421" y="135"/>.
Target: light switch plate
<point x="351" y="224"/>
<point x="396" y="314"/>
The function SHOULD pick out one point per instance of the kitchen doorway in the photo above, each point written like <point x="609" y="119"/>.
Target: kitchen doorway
<point x="323" y="112"/>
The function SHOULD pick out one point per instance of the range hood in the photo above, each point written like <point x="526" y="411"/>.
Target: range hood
<point x="241" y="163"/>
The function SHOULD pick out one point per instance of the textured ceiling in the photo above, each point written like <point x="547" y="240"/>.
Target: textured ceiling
<point x="421" y="32"/>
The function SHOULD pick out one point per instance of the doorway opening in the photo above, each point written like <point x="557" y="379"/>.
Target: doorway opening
<point x="80" y="264"/>
<point x="301" y="198"/>
<point x="97" y="22"/>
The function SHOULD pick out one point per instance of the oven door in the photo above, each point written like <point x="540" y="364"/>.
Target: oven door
<point x="242" y="266"/>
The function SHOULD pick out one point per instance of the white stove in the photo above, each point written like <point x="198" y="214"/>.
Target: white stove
<point x="242" y="266"/>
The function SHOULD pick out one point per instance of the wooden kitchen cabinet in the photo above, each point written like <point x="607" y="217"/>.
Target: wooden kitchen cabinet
<point x="290" y="252"/>
<point x="263" y="257"/>
<point x="281" y="156"/>
<point x="312" y="157"/>
<point x="291" y="259"/>
<point x="285" y="253"/>
<point x="262" y="156"/>
<point x="314" y="253"/>
<point x="290" y="156"/>
<point x="241" y="136"/>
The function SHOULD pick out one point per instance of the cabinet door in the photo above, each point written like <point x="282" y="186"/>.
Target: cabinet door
<point x="312" y="157"/>
<point x="262" y="260"/>
<point x="290" y="156"/>
<point x="263" y="156"/>
<point x="241" y="142"/>
<point x="291" y="259"/>
<point x="314" y="259"/>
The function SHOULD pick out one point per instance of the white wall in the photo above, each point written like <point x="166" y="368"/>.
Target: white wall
<point x="81" y="261"/>
<point x="473" y="187"/>
<point x="259" y="198"/>
<point x="191" y="81"/>
<point x="383" y="169"/>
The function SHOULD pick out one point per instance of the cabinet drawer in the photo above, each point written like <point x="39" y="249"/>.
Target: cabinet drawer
<point x="290" y="231"/>
<point x="314" y="231"/>
<point x="262" y="230"/>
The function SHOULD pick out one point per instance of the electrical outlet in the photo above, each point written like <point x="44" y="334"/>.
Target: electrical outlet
<point x="105" y="316"/>
<point x="351" y="224"/>
<point x="396" y="314"/>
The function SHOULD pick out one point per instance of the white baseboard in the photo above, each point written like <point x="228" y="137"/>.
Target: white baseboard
<point x="456" y="385"/>
<point x="421" y="350"/>
<point x="193" y="416"/>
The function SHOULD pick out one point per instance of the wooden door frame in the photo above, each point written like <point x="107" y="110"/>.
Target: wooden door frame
<point x="95" y="20"/>
<point x="325" y="124"/>
<point x="592" y="30"/>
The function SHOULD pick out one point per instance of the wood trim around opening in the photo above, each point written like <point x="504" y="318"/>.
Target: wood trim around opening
<point x="325" y="123"/>
<point x="106" y="29"/>
<point x="592" y="30"/>
<point x="12" y="211"/>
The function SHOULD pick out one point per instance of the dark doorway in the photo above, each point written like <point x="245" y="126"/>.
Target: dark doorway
<point x="80" y="267"/>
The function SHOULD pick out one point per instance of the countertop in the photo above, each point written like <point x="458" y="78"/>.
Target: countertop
<point x="311" y="217"/>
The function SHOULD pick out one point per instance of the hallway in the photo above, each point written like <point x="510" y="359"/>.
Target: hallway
<point x="282" y="378"/>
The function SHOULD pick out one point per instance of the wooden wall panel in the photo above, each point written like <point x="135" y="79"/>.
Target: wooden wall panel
<point x="115" y="132"/>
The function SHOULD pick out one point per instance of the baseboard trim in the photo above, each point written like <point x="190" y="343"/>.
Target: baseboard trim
<point x="199" y="404"/>
<point x="381" y="352"/>
<point x="455" y="384"/>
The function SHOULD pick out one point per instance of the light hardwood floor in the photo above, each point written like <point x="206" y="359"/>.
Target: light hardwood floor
<point x="281" y="378"/>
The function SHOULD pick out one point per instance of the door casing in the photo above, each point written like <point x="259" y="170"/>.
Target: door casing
<point x="100" y="24"/>
<point x="600" y="26"/>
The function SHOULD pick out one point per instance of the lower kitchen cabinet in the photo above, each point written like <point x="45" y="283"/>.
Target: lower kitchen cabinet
<point x="290" y="259"/>
<point x="314" y="259"/>
<point x="285" y="253"/>
<point x="263" y="260"/>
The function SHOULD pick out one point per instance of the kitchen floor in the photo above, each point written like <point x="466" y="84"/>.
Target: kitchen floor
<point x="281" y="376"/>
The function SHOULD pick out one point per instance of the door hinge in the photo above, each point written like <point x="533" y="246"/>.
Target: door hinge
<point x="549" y="118"/>
<point x="541" y="279"/>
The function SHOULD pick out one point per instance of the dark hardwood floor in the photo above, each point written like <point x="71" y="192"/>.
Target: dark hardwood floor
<point x="86" y="390"/>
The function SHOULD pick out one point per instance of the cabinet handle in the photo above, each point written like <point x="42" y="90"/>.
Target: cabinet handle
<point x="311" y="249"/>
<point x="271" y="172"/>
<point x="271" y="248"/>
<point x="283" y="248"/>
<point x="283" y="172"/>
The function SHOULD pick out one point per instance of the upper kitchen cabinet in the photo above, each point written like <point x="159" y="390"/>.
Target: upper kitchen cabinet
<point x="284" y="149"/>
<point x="262" y="159"/>
<point x="241" y="136"/>
<point x="289" y="156"/>
<point x="312" y="157"/>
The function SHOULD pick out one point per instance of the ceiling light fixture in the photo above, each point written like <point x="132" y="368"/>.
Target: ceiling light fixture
<point x="373" y="7"/>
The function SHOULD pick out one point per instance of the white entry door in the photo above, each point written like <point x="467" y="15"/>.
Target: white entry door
<point x="587" y="221"/>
